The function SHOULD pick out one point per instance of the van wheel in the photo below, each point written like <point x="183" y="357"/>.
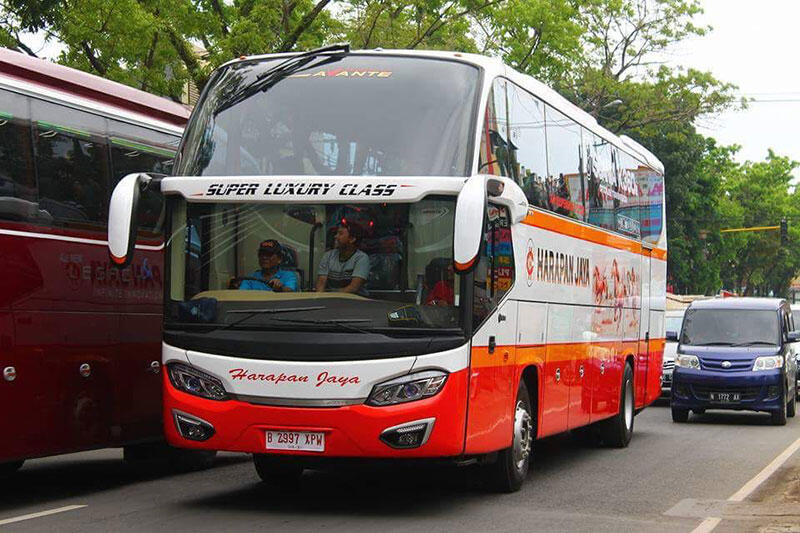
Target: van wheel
<point x="680" y="415"/>
<point x="791" y="407"/>
<point x="279" y="472"/>
<point x="6" y="469"/>
<point x="779" y="416"/>
<point x="618" y="430"/>
<point x="510" y="469"/>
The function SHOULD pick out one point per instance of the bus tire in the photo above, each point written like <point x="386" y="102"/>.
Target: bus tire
<point x="279" y="472"/>
<point x="618" y="430"/>
<point x="6" y="469"/>
<point x="510" y="469"/>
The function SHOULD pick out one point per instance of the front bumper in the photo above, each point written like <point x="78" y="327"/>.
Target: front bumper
<point x="759" y="391"/>
<point x="350" y="431"/>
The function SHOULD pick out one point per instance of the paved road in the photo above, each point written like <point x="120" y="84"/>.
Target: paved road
<point x="571" y="488"/>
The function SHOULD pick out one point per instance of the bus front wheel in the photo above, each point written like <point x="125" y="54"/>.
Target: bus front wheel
<point x="511" y="468"/>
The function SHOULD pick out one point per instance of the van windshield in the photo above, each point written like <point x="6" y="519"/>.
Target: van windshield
<point x="356" y="115"/>
<point x="730" y="327"/>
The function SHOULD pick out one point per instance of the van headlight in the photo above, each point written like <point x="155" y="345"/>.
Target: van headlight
<point x="407" y="388"/>
<point x="687" y="361"/>
<point x="768" y="362"/>
<point x="193" y="381"/>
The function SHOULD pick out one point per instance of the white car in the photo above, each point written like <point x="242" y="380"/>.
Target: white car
<point x="674" y="320"/>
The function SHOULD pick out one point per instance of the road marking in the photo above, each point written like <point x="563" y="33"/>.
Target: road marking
<point x="708" y="525"/>
<point x="40" y="514"/>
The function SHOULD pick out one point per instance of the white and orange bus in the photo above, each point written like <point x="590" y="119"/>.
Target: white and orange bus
<point x="498" y="258"/>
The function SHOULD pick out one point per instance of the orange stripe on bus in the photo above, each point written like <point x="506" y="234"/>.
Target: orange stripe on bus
<point x="569" y="228"/>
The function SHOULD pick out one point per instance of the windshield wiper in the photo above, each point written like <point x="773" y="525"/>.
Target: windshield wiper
<point x="342" y="322"/>
<point x="271" y="76"/>
<point x="269" y="311"/>
<point x="754" y="343"/>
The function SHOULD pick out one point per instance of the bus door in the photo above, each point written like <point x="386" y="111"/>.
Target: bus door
<point x="492" y="390"/>
<point x="642" y="356"/>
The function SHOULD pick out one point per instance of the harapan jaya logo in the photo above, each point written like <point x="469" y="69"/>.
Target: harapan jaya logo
<point x="552" y="266"/>
<point x="322" y="379"/>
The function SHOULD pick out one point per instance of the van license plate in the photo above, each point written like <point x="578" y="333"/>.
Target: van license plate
<point x="304" y="441"/>
<point x="725" y="397"/>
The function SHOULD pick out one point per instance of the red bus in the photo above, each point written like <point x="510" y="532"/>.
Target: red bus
<point x="79" y="341"/>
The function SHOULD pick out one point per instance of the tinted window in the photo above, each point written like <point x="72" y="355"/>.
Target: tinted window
<point x="494" y="273"/>
<point x="728" y="327"/>
<point x="18" y="200"/>
<point x="629" y="214"/>
<point x="357" y="115"/>
<point x="72" y="164"/>
<point x="564" y="184"/>
<point x="603" y="197"/>
<point x="497" y="154"/>
<point x="652" y="186"/>
<point x="137" y="153"/>
<point x="526" y="119"/>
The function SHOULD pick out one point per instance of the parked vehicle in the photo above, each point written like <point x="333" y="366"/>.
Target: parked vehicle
<point x="492" y="303"/>
<point x="79" y="340"/>
<point x="736" y="353"/>
<point x="796" y="323"/>
<point x="673" y="321"/>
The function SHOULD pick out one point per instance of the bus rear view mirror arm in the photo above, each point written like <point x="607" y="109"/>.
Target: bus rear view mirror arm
<point x="122" y="216"/>
<point x="505" y="191"/>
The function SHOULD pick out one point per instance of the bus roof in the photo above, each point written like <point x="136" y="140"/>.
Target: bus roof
<point x="85" y="85"/>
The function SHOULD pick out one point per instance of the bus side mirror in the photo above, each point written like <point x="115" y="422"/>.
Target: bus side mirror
<point x="505" y="191"/>
<point x="794" y="336"/>
<point x="122" y="218"/>
<point x="469" y="218"/>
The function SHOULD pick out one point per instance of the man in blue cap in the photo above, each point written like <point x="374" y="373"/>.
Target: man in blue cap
<point x="270" y="276"/>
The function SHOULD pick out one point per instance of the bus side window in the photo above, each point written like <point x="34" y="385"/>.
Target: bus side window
<point x="140" y="151"/>
<point x="497" y="153"/>
<point x="72" y="165"/>
<point x="494" y="273"/>
<point x="564" y="165"/>
<point x="18" y="200"/>
<point x="526" y="121"/>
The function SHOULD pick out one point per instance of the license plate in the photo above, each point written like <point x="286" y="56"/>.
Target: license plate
<point x="305" y="441"/>
<point x="725" y="397"/>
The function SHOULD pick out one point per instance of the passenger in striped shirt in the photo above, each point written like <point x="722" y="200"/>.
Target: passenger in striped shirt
<point x="345" y="268"/>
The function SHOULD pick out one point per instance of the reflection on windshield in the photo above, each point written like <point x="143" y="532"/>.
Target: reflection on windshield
<point x="730" y="327"/>
<point x="358" y="115"/>
<point x="354" y="267"/>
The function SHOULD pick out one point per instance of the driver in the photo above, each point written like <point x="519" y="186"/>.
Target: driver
<point x="270" y="277"/>
<point x="345" y="268"/>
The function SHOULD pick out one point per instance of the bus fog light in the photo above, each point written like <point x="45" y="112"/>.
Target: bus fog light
<point x="408" y="388"/>
<point x="192" y="428"/>
<point x="409" y="435"/>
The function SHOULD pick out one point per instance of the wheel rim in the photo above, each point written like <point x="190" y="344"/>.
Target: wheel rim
<point x="628" y="405"/>
<point x="523" y="436"/>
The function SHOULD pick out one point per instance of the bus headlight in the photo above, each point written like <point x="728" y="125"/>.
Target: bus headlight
<point x="768" y="362"/>
<point x="687" y="361"/>
<point x="407" y="388"/>
<point x="193" y="381"/>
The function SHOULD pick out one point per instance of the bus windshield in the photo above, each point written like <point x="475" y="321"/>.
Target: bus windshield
<point x="356" y="115"/>
<point x="353" y="267"/>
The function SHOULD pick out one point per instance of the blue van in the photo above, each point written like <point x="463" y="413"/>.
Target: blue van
<point x="735" y="353"/>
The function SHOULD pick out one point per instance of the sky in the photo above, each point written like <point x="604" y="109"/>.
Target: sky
<point x="753" y="45"/>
